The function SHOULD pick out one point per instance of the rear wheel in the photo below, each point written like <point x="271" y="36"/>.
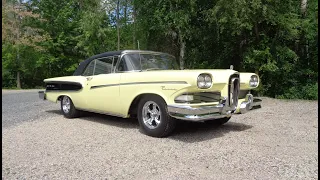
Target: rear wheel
<point x="67" y="108"/>
<point x="218" y="121"/>
<point x="153" y="116"/>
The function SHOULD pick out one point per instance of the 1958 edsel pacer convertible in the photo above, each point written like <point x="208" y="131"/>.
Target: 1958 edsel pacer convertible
<point x="150" y="86"/>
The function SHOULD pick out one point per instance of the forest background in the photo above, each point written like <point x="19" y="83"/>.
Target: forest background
<point x="276" y="39"/>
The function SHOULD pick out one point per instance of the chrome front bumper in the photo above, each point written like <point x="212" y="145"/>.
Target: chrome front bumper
<point x="42" y="95"/>
<point x="250" y="103"/>
<point x="201" y="113"/>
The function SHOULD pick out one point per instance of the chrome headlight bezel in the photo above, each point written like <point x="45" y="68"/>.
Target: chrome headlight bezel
<point x="204" y="81"/>
<point x="254" y="81"/>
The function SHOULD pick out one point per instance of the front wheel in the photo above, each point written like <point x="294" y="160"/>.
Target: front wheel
<point x="67" y="108"/>
<point x="153" y="117"/>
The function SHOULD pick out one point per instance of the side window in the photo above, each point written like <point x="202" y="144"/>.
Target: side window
<point x="103" y="66"/>
<point x="122" y="66"/>
<point x="89" y="69"/>
<point x="99" y="66"/>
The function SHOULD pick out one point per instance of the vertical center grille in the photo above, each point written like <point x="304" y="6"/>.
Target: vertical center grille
<point x="234" y="87"/>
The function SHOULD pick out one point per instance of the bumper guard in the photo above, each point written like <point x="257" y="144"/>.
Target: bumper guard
<point x="250" y="103"/>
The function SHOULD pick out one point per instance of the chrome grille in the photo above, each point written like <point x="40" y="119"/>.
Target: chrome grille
<point x="202" y="97"/>
<point x="234" y="88"/>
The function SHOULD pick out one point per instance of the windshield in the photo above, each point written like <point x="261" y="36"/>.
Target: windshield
<point x="151" y="62"/>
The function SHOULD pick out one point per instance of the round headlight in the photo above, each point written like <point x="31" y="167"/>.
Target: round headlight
<point x="254" y="81"/>
<point x="201" y="82"/>
<point x="204" y="81"/>
<point x="208" y="81"/>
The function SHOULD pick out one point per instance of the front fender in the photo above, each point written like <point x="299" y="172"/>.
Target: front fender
<point x="244" y="81"/>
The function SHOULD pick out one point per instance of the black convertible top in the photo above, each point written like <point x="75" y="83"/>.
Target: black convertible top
<point x="84" y="63"/>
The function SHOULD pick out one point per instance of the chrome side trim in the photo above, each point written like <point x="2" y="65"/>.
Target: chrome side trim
<point x="102" y="86"/>
<point x="134" y="83"/>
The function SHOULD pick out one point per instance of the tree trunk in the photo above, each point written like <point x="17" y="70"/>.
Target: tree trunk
<point x="305" y="41"/>
<point x="18" y="55"/>
<point x="134" y="25"/>
<point x="125" y="12"/>
<point x="182" y="51"/>
<point x="256" y="30"/>
<point x="18" y="80"/>
<point x="118" y="26"/>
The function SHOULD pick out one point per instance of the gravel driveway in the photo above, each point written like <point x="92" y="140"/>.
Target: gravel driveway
<point x="279" y="141"/>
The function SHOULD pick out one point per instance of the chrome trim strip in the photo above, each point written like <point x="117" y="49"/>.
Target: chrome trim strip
<point x="134" y="83"/>
<point x="101" y="86"/>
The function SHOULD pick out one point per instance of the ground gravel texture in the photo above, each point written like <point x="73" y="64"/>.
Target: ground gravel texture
<point x="279" y="141"/>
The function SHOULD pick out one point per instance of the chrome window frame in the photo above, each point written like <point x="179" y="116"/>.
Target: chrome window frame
<point x="94" y="66"/>
<point x="139" y="52"/>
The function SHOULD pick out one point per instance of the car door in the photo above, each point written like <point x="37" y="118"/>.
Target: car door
<point x="102" y="88"/>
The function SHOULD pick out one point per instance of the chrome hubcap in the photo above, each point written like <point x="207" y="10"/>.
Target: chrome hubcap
<point x="151" y="114"/>
<point x="66" y="104"/>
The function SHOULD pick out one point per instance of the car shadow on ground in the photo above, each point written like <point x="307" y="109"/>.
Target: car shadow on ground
<point x="185" y="131"/>
<point x="191" y="132"/>
<point x="104" y="119"/>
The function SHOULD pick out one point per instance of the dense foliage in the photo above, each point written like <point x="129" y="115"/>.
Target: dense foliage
<point x="276" y="39"/>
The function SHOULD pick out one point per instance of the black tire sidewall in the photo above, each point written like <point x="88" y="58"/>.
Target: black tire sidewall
<point x="167" y="123"/>
<point x="73" y="111"/>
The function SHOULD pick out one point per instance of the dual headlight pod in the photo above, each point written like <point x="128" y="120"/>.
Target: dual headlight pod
<point x="204" y="81"/>
<point x="254" y="81"/>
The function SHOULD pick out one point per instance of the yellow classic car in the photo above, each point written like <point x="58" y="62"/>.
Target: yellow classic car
<point x="148" y="85"/>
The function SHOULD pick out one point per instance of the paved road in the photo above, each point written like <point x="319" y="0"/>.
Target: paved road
<point x="24" y="105"/>
<point x="279" y="141"/>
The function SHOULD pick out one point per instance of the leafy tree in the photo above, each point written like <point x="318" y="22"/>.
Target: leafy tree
<point x="276" y="39"/>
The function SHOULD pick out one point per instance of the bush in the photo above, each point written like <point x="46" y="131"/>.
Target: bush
<point x="309" y="91"/>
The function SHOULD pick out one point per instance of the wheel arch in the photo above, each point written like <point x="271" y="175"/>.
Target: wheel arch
<point x="132" y="111"/>
<point x="59" y="98"/>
